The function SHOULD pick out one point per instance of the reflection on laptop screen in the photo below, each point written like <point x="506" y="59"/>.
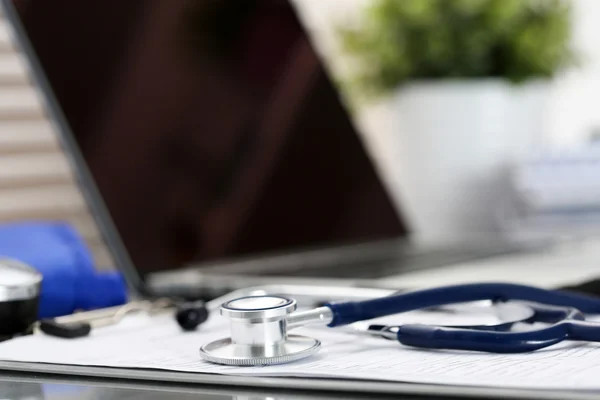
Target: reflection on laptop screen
<point x="210" y="128"/>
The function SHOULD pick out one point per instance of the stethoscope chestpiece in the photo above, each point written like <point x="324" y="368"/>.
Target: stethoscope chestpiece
<point x="259" y="334"/>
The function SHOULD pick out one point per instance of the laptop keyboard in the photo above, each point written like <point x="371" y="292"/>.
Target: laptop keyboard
<point x="390" y="263"/>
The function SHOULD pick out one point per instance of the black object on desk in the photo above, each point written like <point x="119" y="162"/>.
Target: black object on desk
<point x="71" y="330"/>
<point x="591" y="287"/>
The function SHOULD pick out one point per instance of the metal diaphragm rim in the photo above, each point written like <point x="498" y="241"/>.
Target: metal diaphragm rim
<point x="225" y="352"/>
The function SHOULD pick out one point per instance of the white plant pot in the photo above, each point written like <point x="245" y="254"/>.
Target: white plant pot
<point x="446" y="145"/>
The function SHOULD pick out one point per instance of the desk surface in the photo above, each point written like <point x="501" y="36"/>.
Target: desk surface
<point x="565" y="264"/>
<point x="22" y="386"/>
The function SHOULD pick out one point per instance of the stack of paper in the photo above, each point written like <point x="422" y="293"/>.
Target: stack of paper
<point x="158" y="343"/>
<point x="554" y="194"/>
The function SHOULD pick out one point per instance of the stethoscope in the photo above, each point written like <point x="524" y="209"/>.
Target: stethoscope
<point x="259" y="325"/>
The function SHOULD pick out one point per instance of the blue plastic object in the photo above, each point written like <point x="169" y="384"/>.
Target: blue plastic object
<point x="70" y="281"/>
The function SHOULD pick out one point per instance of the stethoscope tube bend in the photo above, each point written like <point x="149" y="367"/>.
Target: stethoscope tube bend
<point x="349" y="312"/>
<point x="567" y="323"/>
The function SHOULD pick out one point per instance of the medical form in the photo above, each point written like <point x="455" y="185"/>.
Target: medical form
<point x="158" y="343"/>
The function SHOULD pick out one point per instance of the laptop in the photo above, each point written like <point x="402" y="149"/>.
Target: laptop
<point x="215" y="149"/>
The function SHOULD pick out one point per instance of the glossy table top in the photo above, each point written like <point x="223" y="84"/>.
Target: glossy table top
<point x="27" y="386"/>
<point x="37" y="388"/>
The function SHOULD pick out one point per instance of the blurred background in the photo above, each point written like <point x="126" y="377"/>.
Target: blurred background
<point x="480" y="116"/>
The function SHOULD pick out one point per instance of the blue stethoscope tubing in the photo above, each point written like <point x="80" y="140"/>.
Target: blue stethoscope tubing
<point x="564" y="312"/>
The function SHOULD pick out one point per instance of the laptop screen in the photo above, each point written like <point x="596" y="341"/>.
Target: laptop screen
<point x="210" y="128"/>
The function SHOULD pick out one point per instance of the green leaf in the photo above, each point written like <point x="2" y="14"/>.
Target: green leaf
<point x="403" y="40"/>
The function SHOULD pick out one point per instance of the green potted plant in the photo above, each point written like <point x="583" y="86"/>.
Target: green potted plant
<point x="464" y="83"/>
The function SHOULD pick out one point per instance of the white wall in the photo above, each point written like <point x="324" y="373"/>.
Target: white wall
<point x="575" y="104"/>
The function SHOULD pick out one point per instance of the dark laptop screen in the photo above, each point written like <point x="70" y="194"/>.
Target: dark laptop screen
<point x="210" y="127"/>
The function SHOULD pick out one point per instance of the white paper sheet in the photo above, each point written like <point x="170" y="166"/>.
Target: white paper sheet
<point x="157" y="343"/>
